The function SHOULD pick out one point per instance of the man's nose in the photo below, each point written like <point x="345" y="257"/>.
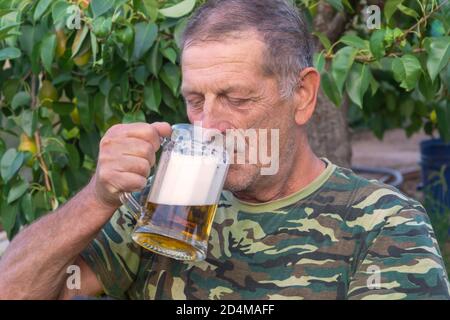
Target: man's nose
<point x="213" y="116"/>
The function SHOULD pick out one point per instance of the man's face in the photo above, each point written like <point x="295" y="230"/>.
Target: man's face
<point x="225" y="88"/>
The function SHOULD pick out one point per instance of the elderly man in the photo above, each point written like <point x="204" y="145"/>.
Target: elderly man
<point x="313" y="230"/>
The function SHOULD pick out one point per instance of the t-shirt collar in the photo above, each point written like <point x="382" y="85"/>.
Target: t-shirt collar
<point x="250" y="207"/>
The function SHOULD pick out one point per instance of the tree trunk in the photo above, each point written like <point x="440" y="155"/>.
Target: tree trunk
<point x="328" y="131"/>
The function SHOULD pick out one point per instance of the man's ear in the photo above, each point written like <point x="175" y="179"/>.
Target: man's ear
<point x="306" y="95"/>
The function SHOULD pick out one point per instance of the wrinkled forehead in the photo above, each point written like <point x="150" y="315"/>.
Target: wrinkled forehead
<point x="237" y="57"/>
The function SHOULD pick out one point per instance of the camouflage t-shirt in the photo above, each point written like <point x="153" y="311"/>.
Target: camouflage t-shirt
<point x="341" y="237"/>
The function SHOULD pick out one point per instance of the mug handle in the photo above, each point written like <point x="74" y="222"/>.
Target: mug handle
<point x="133" y="206"/>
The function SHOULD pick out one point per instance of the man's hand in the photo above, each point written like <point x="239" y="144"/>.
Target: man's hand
<point x="127" y="154"/>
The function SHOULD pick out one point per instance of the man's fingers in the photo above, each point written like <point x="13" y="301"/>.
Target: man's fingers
<point x="149" y="132"/>
<point x="127" y="182"/>
<point x="164" y="129"/>
<point x="136" y="165"/>
<point x="134" y="147"/>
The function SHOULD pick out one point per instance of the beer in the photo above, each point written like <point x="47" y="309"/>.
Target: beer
<point x="186" y="227"/>
<point x="181" y="205"/>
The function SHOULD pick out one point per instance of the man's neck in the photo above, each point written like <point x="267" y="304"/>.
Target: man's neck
<point x="304" y="168"/>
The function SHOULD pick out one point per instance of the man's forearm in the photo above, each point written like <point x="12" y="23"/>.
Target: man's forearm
<point x="35" y="263"/>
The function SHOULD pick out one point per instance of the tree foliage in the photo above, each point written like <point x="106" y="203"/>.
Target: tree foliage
<point x="62" y="87"/>
<point x="396" y="75"/>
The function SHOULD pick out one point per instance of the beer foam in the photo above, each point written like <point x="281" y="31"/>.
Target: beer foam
<point x="188" y="179"/>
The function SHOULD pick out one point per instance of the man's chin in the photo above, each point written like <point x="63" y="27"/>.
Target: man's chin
<point x="239" y="178"/>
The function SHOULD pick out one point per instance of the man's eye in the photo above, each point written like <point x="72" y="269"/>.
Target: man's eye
<point x="195" y="103"/>
<point x="237" y="102"/>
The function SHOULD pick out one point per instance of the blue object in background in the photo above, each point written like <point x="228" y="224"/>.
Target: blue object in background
<point x="435" y="163"/>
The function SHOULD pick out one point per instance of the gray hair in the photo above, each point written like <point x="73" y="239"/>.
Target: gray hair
<point x="289" y="47"/>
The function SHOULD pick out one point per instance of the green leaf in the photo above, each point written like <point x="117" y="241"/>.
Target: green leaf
<point x="26" y="205"/>
<point x="443" y="118"/>
<point x="179" y="29"/>
<point x="170" y="54"/>
<point x="152" y="96"/>
<point x="5" y="30"/>
<point x="170" y="75"/>
<point x="63" y="108"/>
<point x="100" y="7"/>
<point x="86" y="117"/>
<point x="330" y="89"/>
<point x="8" y="213"/>
<point x="178" y="10"/>
<point x="101" y="26"/>
<point x="9" y="53"/>
<point x="390" y="7"/>
<point x="55" y="145"/>
<point x="407" y="71"/>
<point x="59" y="11"/>
<point x="79" y="39"/>
<point x="89" y="142"/>
<point x="429" y="88"/>
<point x="26" y="39"/>
<point x="73" y="155"/>
<point x="377" y="46"/>
<point x="154" y="60"/>
<point x="355" y="42"/>
<point x="141" y="74"/>
<point x="407" y="108"/>
<point x="145" y="36"/>
<point x="77" y="179"/>
<point x="340" y="67"/>
<point x="138" y="116"/>
<point x="2" y="148"/>
<point x="20" y="99"/>
<point x="347" y="5"/>
<point x="374" y="85"/>
<point x="168" y="98"/>
<point x="94" y="47"/>
<point x="323" y="40"/>
<point x="17" y="190"/>
<point x="102" y="111"/>
<point x="357" y="83"/>
<point x="40" y="8"/>
<point x="4" y="11"/>
<point x="438" y="50"/>
<point x="151" y="9"/>
<point x="337" y="4"/>
<point x="10" y="164"/>
<point x="29" y="120"/>
<point x="55" y="177"/>
<point x="408" y="11"/>
<point x="48" y="48"/>
<point x="9" y="89"/>
<point x="319" y="61"/>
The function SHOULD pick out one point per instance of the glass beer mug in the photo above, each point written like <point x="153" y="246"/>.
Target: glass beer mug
<point x="177" y="216"/>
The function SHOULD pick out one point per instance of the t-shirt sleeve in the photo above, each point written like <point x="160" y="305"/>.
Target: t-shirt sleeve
<point x="113" y="256"/>
<point x="403" y="261"/>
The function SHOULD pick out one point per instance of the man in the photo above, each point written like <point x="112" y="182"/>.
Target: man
<point x="311" y="231"/>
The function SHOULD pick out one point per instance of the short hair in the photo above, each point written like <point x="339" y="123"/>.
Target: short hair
<point x="288" y="42"/>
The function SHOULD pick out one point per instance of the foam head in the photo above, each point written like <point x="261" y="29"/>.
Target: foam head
<point x="189" y="173"/>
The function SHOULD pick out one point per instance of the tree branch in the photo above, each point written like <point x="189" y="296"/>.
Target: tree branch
<point x="422" y="20"/>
